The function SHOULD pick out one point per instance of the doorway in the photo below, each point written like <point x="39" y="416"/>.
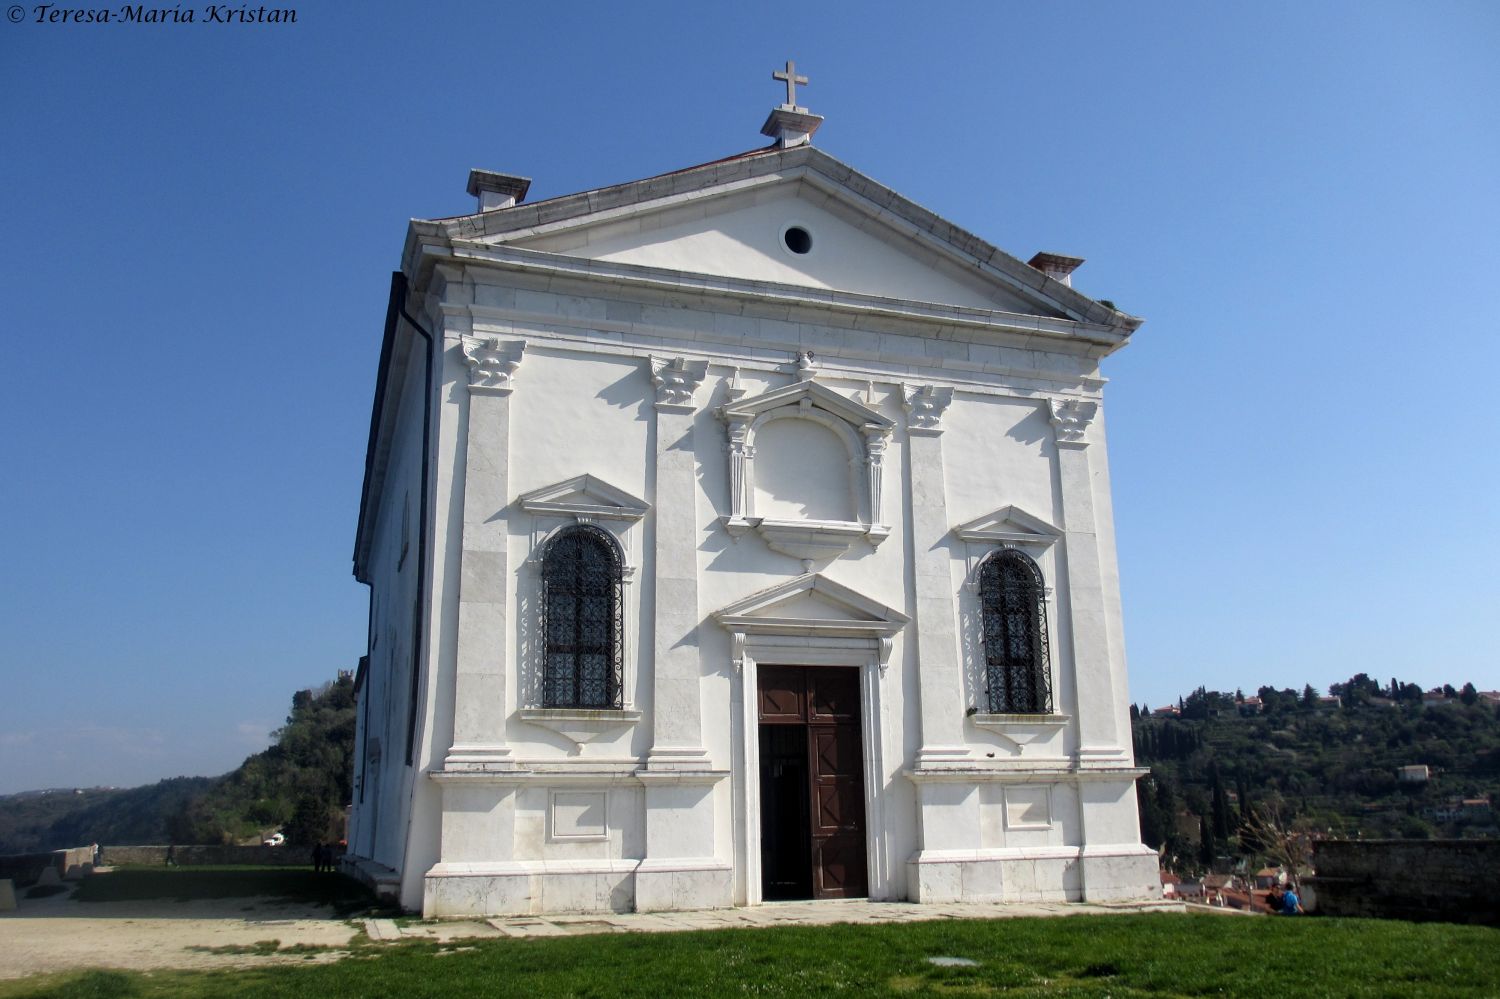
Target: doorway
<point x="812" y="794"/>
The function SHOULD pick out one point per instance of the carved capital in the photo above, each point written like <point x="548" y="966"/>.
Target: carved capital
<point x="676" y="381"/>
<point x="492" y="363"/>
<point x="1071" y="419"/>
<point x="925" y="406"/>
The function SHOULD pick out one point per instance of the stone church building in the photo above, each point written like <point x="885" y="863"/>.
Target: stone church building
<point x="736" y="534"/>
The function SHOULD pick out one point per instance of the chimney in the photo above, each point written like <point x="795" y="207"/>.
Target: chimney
<point x="497" y="190"/>
<point x="1056" y="266"/>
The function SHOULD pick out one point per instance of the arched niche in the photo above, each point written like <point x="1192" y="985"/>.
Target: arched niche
<point x="821" y="458"/>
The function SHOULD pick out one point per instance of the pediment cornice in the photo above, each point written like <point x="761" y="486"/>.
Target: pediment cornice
<point x="585" y="497"/>
<point x="767" y="611"/>
<point x="819" y="396"/>
<point x="1009" y="525"/>
<point x="829" y="177"/>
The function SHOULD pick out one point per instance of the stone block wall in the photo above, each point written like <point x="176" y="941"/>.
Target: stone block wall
<point x="1446" y="880"/>
<point x="25" y="868"/>
<point x="192" y="856"/>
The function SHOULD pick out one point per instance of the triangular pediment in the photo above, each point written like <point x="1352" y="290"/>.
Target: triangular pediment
<point x="585" y="496"/>
<point x="1009" y="525"/>
<point x="729" y="218"/>
<point x="810" y="604"/>
<point x="817" y="396"/>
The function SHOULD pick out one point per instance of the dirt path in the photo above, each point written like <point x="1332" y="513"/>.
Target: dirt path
<point x="58" y="934"/>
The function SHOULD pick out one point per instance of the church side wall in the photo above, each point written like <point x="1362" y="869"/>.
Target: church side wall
<point x="382" y="801"/>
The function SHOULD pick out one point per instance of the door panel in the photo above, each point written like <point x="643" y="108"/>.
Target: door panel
<point x="782" y="695"/>
<point x="811" y="751"/>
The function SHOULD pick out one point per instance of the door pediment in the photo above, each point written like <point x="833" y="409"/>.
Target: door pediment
<point x="811" y="604"/>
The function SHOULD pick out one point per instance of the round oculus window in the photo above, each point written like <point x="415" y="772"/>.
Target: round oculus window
<point x="797" y="239"/>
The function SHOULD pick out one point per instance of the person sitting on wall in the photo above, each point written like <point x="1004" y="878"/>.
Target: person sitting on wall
<point x="1291" y="905"/>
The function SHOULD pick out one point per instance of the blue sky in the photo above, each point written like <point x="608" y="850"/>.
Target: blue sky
<point x="200" y="222"/>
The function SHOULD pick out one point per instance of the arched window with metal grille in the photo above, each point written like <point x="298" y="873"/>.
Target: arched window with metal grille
<point x="582" y="584"/>
<point x="1013" y="602"/>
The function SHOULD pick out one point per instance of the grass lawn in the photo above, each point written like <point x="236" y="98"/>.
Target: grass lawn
<point x="1077" y="956"/>
<point x="294" y="884"/>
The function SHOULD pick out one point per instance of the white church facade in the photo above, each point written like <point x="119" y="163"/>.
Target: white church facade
<point x="737" y="534"/>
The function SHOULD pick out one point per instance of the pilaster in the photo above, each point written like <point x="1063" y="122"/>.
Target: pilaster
<point x="680" y="869"/>
<point x="939" y="670"/>
<point x="1093" y="668"/>
<point x="677" y="710"/>
<point x="479" y="687"/>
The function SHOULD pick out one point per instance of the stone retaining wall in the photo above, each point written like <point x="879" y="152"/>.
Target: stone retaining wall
<point x="192" y="856"/>
<point x="25" y="868"/>
<point x="1449" y="880"/>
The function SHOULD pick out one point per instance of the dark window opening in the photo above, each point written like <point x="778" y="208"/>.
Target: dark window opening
<point x="582" y="589"/>
<point x="1013" y="602"/>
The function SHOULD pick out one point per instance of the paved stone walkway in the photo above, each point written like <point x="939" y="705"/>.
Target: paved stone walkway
<point x="770" y="914"/>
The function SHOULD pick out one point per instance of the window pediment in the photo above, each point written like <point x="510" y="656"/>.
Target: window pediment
<point x="585" y="497"/>
<point x="1009" y="525"/>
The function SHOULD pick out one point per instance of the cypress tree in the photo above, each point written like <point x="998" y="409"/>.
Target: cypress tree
<point x="1220" y="804"/>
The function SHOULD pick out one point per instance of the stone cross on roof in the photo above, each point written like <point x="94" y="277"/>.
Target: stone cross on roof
<point x="789" y="75"/>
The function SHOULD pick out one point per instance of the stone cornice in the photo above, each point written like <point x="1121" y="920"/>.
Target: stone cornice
<point x="1020" y="773"/>
<point x="856" y="309"/>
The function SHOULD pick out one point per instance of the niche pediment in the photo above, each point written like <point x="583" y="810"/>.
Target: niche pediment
<point x="819" y="510"/>
<point x="585" y="497"/>
<point x="817" y="396"/>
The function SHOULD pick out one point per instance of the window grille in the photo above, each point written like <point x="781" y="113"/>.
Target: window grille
<point x="582" y="589"/>
<point x="1013" y="603"/>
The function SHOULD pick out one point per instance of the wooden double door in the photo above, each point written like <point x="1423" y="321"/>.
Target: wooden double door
<point x="812" y="787"/>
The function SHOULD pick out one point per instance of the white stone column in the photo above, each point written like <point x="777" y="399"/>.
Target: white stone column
<point x="1092" y="659"/>
<point x="939" y="670"/>
<point x="680" y="869"/>
<point x="479" y="687"/>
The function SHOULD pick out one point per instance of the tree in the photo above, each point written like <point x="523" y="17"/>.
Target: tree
<point x="1207" y="848"/>
<point x="1309" y="696"/>
<point x="1157" y="807"/>
<point x="1469" y="695"/>
<point x="1278" y="839"/>
<point x="1222" y="825"/>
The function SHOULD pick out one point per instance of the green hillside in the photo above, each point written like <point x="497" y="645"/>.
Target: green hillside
<point x="299" y="785"/>
<point x="48" y="820"/>
<point x="1302" y="765"/>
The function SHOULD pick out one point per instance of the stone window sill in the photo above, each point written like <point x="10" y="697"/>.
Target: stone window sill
<point x="1019" y="728"/>
<point x="580" y="725"/>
